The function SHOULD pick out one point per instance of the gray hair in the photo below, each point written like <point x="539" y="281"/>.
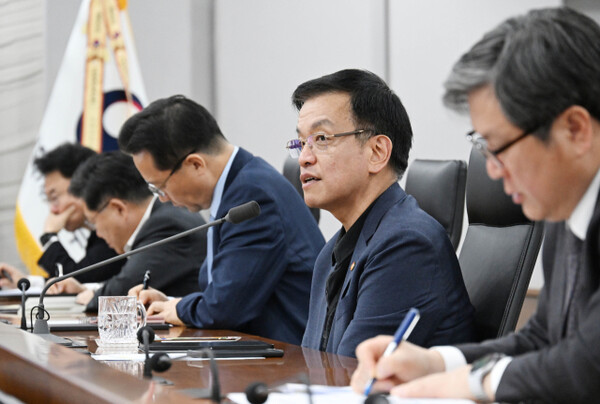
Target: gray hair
<point x="538" y="64"/>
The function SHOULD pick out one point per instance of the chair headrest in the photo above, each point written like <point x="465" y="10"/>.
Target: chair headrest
<point x="291" y="171"/>
<point x="487" y="203"/>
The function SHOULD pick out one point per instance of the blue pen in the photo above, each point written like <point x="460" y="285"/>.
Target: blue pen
<point x="402" y="333"/>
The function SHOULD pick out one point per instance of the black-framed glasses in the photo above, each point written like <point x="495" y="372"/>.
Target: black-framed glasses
<point x="91" y="223"/>
<point x="480" y="143"/>
<point x="320" y="140"/>
<point x="158" y="190"/>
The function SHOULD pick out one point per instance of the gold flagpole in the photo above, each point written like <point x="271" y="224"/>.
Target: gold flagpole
<point x="117" y="41"/>
<point x="93" y="96"/>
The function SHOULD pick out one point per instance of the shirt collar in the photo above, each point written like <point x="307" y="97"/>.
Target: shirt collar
<point x="218" y="192"/>
<point x="129" y="243"/>
<point x="580" y="219"/>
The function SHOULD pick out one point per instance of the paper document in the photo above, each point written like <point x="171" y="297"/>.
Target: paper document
<point x="57" y="304"/>
<point x="292" y="393"/>
<point x="32" y="291"/>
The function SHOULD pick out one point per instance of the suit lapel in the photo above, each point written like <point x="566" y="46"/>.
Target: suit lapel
<point x="383" y="204"/>
<point x="145" y="229"/>
<point x="588" y="274"/>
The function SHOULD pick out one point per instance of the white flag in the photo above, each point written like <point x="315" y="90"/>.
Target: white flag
<point x="62" y="121"/>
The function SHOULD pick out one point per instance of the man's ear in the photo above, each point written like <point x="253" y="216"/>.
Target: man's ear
<point x="577" y="124"/>
<point x="195" y="161"/>
<point x="380" y="151"/>
<point x="119" y="206"/>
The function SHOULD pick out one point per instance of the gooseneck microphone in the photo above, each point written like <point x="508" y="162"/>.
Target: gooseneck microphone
<point x="23" y="284"/>
<point x="146" y="336"/>
<point x="213" y="392"/>
<point x="159" y="362"/>
<point x="242" y="212"/>
<point x="257" y="392"/>
<point x="235" y="215"/>
<point x="377" y="398"/>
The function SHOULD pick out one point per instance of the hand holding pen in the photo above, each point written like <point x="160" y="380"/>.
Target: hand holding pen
<point x="402" y="333"/>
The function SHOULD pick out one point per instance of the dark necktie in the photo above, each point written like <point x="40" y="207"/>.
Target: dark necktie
<point x="574" y="255"/>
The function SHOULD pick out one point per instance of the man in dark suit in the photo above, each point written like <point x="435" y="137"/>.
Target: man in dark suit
<point x="531" y="86"/>
<point x="66" y="215"/>
<point x="353" y="141"/>
<point x="120" y="207"/>
<point x="256" y="277"/>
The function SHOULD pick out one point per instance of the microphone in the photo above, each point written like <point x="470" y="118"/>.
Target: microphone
<point x="376" y="399"/>
<point x="235" y="215"/>
<point x="213" y="392"/>
<point x="160" y="362"/>
<point x="23" y="284"/>
<point x="243" y="212"/>
<point x="146" y="336"/>
<point x="258" y="392"/>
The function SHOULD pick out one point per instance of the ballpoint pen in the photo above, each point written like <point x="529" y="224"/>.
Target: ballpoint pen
<point x="402" y="333"/>
<point x="146" y="281"/>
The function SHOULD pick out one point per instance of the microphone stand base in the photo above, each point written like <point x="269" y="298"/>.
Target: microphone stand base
<point x="56" y="339"/>
<point x="41" y="329"/>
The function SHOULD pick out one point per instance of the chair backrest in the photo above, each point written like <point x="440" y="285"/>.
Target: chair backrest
<point x="291" y="171"/>
<point x="498" y="254"/>
<point x="439" y="188"/>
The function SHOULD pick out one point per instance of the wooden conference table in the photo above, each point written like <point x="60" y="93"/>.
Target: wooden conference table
<point x="35" y="370"/>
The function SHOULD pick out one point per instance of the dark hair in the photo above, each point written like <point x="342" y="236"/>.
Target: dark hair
<point x="374" y="106"/>
<point x="539" y="64"/>
<point x="64" y="159"/>
<point x="108" y="175"/>
<point x="170" y="128"/>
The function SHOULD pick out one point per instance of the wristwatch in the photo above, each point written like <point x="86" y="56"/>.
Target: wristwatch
<point x="480" y="369"/>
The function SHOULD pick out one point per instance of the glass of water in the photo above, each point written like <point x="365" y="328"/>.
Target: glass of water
<point x="118" y="319"/>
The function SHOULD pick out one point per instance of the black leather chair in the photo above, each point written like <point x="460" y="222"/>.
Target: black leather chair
<point x="439" y="188"/>
<point x="498" y="254"/>
<point x="291" y="171"/>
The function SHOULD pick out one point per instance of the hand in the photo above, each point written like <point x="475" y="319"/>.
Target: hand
<point x="56" y="222"/>
<point x="68" y="286"/>
<point x="84" y="297"/>
<point x="148" y="296"/>
<point x="452" y="384"/>
<point x="406" y="363"/>
<point x="13" y="272"/>
<point x="166" y="310"/>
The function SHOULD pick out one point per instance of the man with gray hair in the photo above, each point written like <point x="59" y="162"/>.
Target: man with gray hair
<point x="531" y="87"/>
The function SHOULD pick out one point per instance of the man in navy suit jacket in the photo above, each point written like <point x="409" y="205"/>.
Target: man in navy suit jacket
<point x="531" y="88"/>
<point x="353" y="142"/>
<point x="257" y="274"/>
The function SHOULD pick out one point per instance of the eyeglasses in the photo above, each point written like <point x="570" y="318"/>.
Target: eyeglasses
<point x="320" y="140"/>
<point x="157" y="190"/>
<point x="91" y="223"/>
<point x="480" y="143"/>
